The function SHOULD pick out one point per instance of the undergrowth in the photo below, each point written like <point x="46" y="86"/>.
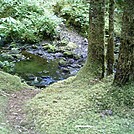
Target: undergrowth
<point x="75" y="14"/>
<point x="26" y="21"/>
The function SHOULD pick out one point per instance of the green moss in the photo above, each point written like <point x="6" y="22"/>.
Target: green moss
<point x="49" y="47"/>
<point x="61" y="107"/>
<point x="9" y="83"/>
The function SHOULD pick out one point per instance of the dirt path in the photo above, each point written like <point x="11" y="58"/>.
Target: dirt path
<point x="15" y="112"/>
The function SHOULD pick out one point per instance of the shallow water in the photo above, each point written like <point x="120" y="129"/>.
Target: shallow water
<point x="39" y="71"/>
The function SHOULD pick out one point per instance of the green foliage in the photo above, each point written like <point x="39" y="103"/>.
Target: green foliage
<point x="7" y="66"/>
<point x="26" y="21"/>
<point x="76" y="14"/>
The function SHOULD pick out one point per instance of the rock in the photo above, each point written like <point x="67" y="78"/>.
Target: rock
<point x="73" y="71"/>
<point x="40" y="52"/>
<point x="68" y="54"/>
<point x="34" y="46"/>
<point x="45" y="71"/>
<point x="47" y="80"/>
<point x="75" y="66"/>
<point x="71" y="61"/>
<point x="65" y="70"/>
<point x="50" y="48"/>
<point x="14" y="51"/>
<point x="71" y="46"/>
<point x="57" y="55"/>
<point x="85" y="42"/>
<point x="62" y="62"/>
<point x="106" y="113"/>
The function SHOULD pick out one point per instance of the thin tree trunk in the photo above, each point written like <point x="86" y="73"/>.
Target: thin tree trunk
<point x="110" y="47"/>
<point x="125" y="66"/>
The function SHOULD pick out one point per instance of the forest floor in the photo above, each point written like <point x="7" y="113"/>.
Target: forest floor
<point x="73" y="106"/>
<point x="16" y="114"/>
<point x="70" y="106"/>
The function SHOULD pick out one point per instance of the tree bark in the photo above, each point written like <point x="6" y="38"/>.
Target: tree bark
<point x="94" y="66"/>
<point x="125" y="66"/>
<point x="95" y="60"/>
<point x="110" y="46"/>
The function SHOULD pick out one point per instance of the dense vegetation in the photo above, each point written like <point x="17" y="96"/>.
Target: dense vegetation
<point x="32" y="21"/>
<point x="93" y="101"/>
<point x="26" y="21"/>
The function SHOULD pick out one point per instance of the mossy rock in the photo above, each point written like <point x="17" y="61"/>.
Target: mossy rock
<point x="69" y="54"/>
<point x="63" y="42"/>
<point x="71" y="46"/>
<point x="50" y="48"/>
<point x="15" y="51"/>
<point x="62" y="62"/>
<point x="76" y="57"/>
<point x="9" y="83"/>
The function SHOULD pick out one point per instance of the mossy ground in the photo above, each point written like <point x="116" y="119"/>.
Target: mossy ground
<point x="74" y="106"/>
<point x="8" y="84"/>
<point x="80" y="106"/>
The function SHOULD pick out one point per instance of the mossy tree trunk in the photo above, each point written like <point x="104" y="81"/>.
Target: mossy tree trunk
<point x="94" y="65"/>
<point x="110" y="46"/>
<point x="125" y="66"/>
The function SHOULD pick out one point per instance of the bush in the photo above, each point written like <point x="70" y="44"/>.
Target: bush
<point x="76" y="14"/>
<point x="26" y="21"/>
<point x="7" y="66"/>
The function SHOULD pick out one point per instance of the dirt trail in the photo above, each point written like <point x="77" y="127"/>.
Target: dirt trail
<point x="15" y="112"/>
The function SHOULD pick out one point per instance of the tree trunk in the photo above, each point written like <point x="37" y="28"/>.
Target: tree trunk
<point x="110" y="47"/>
<point x="125" y="66"/>
<point x="94" y="66"/>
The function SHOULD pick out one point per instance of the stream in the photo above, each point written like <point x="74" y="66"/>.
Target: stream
<point x="46" y="62"/>
<point x="40" y="67"/>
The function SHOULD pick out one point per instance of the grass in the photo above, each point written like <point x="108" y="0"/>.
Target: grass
<point x="61" y="107"/>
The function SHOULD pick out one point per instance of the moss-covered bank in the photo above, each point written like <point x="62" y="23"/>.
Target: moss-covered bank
<point x="83" y="107"/>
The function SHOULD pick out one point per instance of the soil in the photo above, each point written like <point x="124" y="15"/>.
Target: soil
<point x="16" y="114"/>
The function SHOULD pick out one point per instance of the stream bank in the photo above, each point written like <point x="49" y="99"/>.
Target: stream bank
<point x="48" y="61"/>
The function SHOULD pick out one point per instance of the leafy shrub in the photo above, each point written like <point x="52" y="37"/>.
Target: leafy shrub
<point x="76" y="14"/>
<point x="7" y="66"/>
<point x="26" y="21"/>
